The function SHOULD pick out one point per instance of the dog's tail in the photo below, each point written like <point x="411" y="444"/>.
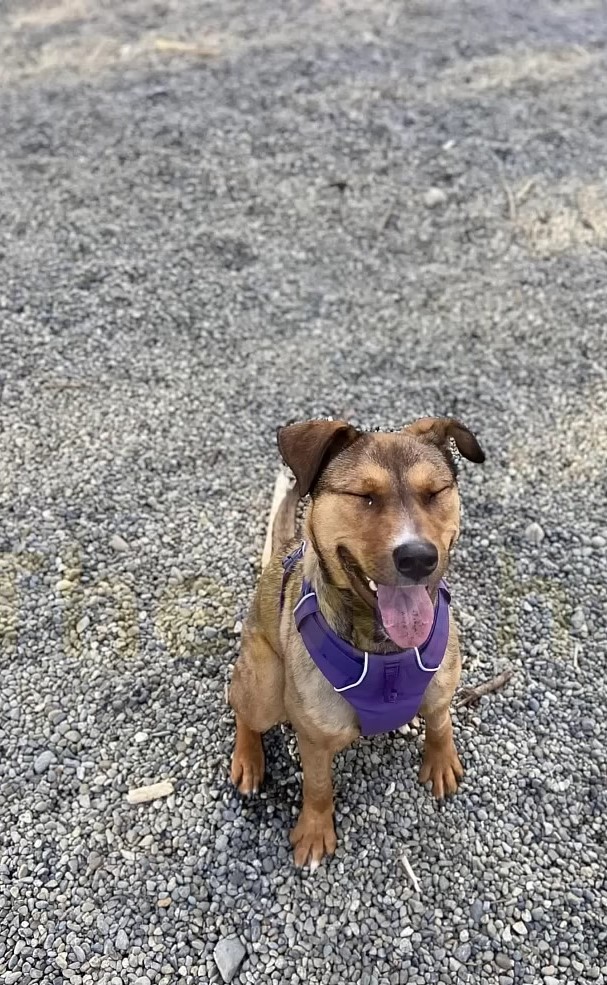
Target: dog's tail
<point x="283" y="516"/>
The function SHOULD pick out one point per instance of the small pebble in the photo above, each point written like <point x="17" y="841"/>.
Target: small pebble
<point x="434" y="197"/>
<point x="504" y="962"/>
<point x="43" y="761"/>
<point x="534" y="533"/>
<point x="578" y="618"/>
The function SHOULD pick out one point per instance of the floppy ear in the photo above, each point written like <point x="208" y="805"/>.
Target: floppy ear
<point x="438" y="430"/>
<point x="307" y="447"/>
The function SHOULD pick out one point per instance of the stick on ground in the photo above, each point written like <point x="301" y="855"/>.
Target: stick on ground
<point x="143" y="795"/>
<point x="470" y="695"/>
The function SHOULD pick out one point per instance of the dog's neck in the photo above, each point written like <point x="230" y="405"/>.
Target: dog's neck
<point x="346" y="613"/>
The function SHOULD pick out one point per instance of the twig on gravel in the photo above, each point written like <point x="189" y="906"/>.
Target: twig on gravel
<point x="470" y="695"/>
<point x="411" y="874"/>
<point x="64" y="384"/>
<point x="143" y="795"/>
<point x="385" y="219"/>
<point x="512" y="213"/>
<point x="586" y="217"/>
<point x="171" y="46"/>
<point x="576" y="655"/>
<point x="521" y="195"/>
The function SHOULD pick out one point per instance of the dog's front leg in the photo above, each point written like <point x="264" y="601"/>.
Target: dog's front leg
<point x="314" y="834"/>
<point x="441" y="764"/>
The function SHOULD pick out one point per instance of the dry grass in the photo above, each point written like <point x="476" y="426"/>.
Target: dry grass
<point x="47" y="14"/>
<point x="88" y="55"/>
<point x="557" y="219"/>
<point x="576" y="442"/>
<point x="506" y="71"/>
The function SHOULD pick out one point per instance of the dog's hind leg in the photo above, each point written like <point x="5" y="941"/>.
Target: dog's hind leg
<point x="256" y="695"/>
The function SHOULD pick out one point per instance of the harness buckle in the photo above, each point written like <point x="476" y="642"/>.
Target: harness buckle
<point x="391" y="675"/>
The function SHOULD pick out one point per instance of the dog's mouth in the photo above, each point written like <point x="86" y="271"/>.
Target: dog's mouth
<point x="406" y="611"/>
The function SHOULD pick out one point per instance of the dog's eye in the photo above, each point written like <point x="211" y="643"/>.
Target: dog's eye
<point x="368" y="499"/>
<point x="431" y="494"/>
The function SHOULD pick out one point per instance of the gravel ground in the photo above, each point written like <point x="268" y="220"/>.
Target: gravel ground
<point x="216" y="217"/>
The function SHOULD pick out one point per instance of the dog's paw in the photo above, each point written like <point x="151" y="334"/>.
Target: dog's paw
<point x="312" y="837"/>
<point x="247" y="770"/>
<point x="441" y="766"/>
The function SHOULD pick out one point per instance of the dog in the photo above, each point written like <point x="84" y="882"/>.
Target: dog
<point x="350" y="631"/>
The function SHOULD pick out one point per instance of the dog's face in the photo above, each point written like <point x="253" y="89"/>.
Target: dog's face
<point x="385" y="511"/>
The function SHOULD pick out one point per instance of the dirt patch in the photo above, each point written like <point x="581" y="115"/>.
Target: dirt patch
<point x="91" y="54"/>
<point x="575" y="441"/>
<point x="508" y="70"/>
<point x="556" y="219"/>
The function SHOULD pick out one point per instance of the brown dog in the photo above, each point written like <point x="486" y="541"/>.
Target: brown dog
<point x="379" y="529"/>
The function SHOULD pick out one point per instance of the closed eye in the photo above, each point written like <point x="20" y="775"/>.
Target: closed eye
<point x="431" y="494"/>
<point x="362" y="495"/>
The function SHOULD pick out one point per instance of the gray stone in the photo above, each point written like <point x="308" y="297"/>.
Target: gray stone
<point x="504" y="962"/>
<point x="578" y="618"/>
<point x="434" y="197"/>
<point x="43" y="761"/>
<point x="476" y="911"/>
<point x="463" y="952"/>
<point x="118" y="543"/>
<point x="229" y="954"/>
<point x="534" y="533"/>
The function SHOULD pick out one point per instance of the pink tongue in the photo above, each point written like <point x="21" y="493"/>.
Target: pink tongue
<point x="406" y="612"/>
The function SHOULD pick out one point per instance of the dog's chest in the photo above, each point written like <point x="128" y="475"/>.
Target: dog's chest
<point x="310" y="696"/>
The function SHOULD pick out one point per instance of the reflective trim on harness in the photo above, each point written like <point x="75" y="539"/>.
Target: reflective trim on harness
<point x="420" y="664"/>
<point x="360" y="679"/>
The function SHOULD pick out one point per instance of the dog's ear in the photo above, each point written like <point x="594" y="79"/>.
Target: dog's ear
<point x="308" y="447"/>
<point x="439" y="430"/>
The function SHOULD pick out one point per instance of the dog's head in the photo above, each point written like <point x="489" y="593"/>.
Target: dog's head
<point x="385" y="510"/>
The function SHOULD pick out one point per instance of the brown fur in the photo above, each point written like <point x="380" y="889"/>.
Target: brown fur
<point x="366" y="489"/>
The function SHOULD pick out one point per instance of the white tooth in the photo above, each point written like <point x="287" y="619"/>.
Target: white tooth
<point x="372" y="585"/>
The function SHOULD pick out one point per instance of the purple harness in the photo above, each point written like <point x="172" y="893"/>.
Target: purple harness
<point x="385" y="689"/>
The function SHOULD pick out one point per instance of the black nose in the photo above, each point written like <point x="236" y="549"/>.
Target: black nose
<point x="416" y="559"/>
